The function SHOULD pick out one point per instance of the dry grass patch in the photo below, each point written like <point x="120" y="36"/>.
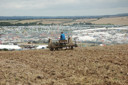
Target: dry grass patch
<point x="81" y="66"/>
<point x="114" y="20"/>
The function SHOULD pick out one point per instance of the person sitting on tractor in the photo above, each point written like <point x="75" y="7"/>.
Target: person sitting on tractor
<point x="62" y="36"/>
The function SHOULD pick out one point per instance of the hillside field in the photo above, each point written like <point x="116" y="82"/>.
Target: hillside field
<point x="98" y="21"/>
<point x="106" y="65"/>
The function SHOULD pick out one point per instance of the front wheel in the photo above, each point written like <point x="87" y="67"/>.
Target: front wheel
<point x="56" y="48"/>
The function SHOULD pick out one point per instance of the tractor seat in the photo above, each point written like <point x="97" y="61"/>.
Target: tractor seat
<point x="63" y="41"/>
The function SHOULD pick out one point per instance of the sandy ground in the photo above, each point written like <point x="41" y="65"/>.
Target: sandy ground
<point x="82" y="66"/>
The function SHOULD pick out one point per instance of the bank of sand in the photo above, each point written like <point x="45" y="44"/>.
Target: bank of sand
<point x="106" y="65"/>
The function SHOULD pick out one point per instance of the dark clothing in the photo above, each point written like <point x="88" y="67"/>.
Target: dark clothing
<point x="62" y="37"/>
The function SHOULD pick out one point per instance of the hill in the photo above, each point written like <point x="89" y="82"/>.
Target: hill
<point x="112" y="20"/>
<point x="58" y="17"/>
<point x="117" y="19"/>
<point x="82" y="66"/>
<point x="85" y="21"/>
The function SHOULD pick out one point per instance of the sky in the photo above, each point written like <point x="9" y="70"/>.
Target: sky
<point x="62" y="7"/>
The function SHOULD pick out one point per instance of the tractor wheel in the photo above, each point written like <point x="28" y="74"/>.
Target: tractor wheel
<point x="71" y="47"/>
<point x="51" y="49"/>
<point x="56" y="48"/>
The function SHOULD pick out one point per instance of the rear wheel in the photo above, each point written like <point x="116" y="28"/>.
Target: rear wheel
<point x="51" y="49"/>
<point x="71" y="47"/>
